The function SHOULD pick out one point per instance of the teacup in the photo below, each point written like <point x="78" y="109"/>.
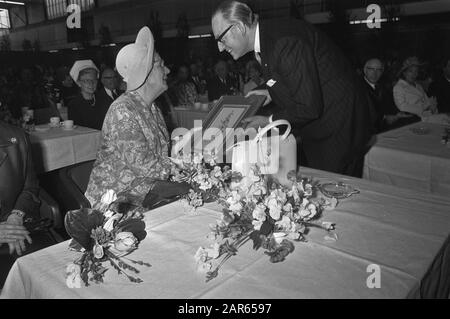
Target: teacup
<point x="197" y="105"/>
<point x="68" y="124"/>
<point x="205" y="107"/>
<point x="54" y="121"/>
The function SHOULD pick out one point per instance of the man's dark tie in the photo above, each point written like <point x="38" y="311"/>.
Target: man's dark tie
<point x="115" y="95"/>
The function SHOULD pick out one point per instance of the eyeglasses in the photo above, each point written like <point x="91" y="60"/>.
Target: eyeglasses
<point x="375" y="69"/>
<point x="220" y="37"/>
<point x="88" y="81"/>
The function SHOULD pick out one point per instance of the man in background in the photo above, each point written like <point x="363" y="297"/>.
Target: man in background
<point x="441" y="88"/>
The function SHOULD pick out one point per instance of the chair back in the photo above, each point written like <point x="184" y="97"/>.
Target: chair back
<point x="74" y="180"/>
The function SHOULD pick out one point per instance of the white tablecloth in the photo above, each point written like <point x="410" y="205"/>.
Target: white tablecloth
<point x="56" y="147"/>
<point x="186" y="117"/>
<point x="404" y="232"/>
<point x="403" y="158"/>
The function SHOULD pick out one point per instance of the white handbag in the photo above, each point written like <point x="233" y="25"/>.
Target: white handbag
<point x="275" y="155"/>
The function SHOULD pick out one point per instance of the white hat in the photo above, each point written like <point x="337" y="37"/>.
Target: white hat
<point x="135" y="61"/>
<point x="79" y="66"/>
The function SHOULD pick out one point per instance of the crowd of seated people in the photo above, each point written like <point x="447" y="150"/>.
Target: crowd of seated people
<point x="405" y="94"/>
<point x="46" y="88"/>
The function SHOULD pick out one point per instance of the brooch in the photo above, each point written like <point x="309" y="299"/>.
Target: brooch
<point x="13" y="140"/>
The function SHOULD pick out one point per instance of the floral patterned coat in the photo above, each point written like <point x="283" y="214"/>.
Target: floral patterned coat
<point x="133" y="152"/>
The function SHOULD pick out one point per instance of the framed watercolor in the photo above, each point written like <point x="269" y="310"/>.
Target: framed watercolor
<point x="230" y="110"/>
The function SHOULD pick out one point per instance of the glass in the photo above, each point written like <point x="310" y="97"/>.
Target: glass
<point x="337" y="190"/>
<point x="220" y="37"/>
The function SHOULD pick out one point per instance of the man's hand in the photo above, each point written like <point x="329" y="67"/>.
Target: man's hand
<point x="255" y="122"/>
<point x="261" y="92"/>
<point x="14" y="233"/>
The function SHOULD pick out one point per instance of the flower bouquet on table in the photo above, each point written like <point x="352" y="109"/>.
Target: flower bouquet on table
<point x="104" y="235"/>
<point x="272" y="216"/>
<point x="208" y="181"/>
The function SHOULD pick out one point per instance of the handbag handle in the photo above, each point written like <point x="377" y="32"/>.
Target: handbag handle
<point x="268" y="127"/>
<point x="271" y="125"/>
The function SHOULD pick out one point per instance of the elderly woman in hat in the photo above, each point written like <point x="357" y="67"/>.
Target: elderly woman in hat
<point x="409" y="96"/>
<point x="135" y="141"/>
<point x="86" y="109"/>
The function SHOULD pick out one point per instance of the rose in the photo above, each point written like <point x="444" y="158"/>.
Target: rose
<point x="109" y="197"/>
<point x="98" y="251"/>
<point x="198" y="158"/>
<point x="285" y="223"/>
<point x="274" y="208"/>
<point x="109" y="224"/>
<point x="73" y="279"/>
<point x="259" y="213"/>
<point x="125" y="242"/>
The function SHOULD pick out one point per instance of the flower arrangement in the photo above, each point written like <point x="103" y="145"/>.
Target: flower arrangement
<point x="261" y="210"/>
<point x="106" y="234"/>
<point x="207" y="179"/>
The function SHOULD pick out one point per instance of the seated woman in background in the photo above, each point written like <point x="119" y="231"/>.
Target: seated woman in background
<point x="135" y="141"/>
<point x="409" y="96"/>
<point x="253" y="76"/>
<point x="85" y="109"/>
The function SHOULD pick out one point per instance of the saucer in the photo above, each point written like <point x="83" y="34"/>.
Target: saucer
<point x="69" y="129"/>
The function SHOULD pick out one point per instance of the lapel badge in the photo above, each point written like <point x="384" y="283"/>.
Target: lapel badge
<point x="270" y="83"/>
<point x="13" y="140"/>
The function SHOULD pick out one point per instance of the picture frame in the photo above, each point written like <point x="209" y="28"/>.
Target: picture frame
<point x="229" y="111"/>
<point x="227" y="114"/>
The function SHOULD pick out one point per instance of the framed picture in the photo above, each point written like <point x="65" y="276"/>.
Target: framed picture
<point x="226" y="116"/>
<point x="230" y="110"/>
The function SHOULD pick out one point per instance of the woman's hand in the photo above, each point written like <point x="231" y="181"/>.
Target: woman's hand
<point x="14" y="234"/>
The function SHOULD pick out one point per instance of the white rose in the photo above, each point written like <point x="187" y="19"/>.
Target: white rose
<point x="275" y="211"/>
<point x="259" y="212"/>
<point x="109" y="197"/>
<point x="109" y="224"/>
<point x="98" y="251"/>
<point x="125" y="241"/>
<point x="73" y="279"/>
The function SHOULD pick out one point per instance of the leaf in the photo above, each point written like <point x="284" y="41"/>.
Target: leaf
<point x="266" y="228"/>
<point x="280" y="253"/>
<point x="256" y="238"/>
<point x="79" y="224"/>
<point x="133" y="225"/>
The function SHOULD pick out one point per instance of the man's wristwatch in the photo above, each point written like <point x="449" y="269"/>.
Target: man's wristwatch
<point x="17" y="212"/>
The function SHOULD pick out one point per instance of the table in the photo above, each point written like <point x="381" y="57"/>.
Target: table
<point x="404" y="232"/>
<point x="185" y="116"/>
<point x="403" y="158"/>
<point x="55" y="148"/>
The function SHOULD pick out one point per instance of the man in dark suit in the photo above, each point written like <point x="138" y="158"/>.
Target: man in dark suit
<point x="441" y="88"/>
<point x="220" y="84"/>
<point x="19" y="201"/>
<point x="310" y="80"/>
<point x="384" y="114"/>
<point x="109" y="90"/>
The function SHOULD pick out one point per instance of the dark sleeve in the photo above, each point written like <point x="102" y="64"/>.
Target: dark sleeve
<point x="299" y="92"/>
<point x="73" y="110"/>
<point x="28" y="200"/>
